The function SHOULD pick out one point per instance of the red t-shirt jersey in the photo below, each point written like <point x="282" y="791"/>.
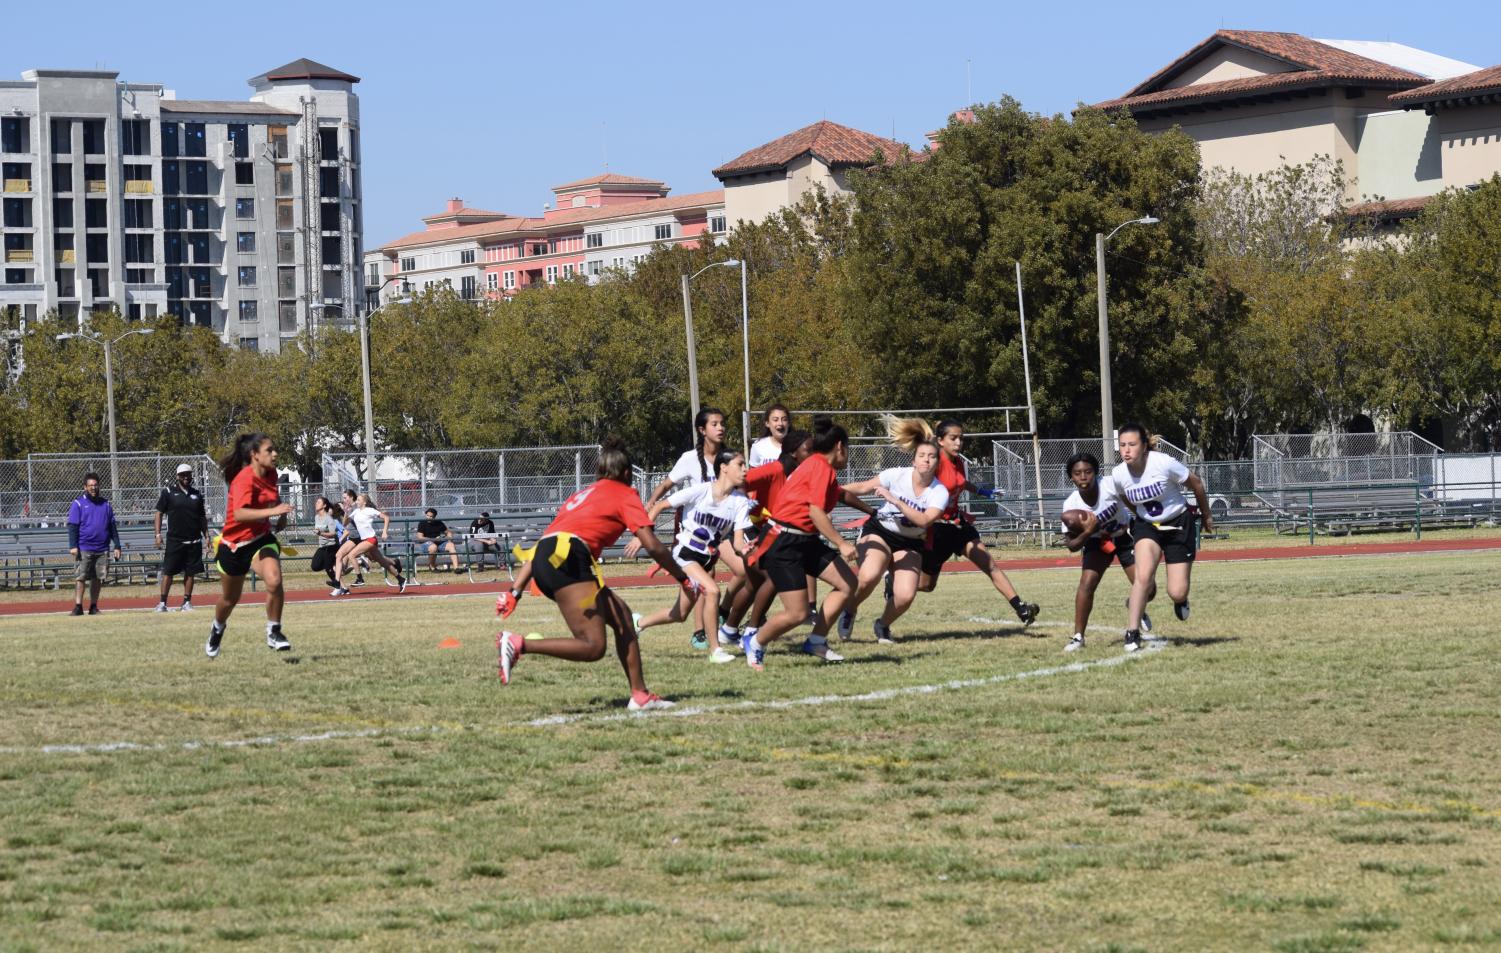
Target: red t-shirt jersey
<point x="813" y="483"/>
<point x="953" y="475"/>
<point x="599" y="513"/>
<point x="764" y="484"/>
<point x="248" y="491"/>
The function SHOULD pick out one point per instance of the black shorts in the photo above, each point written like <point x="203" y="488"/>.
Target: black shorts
<point x="236" y="563"/>
<point x="792" y="558"/>
<point x="1124" y="552"/>
<point x="577" y="567"/>
<point x="895" y="542"/>
<point x="183" y="557"/>
<point x="684" y="556"/>
<point x="323" y="559"/>
<point x="1176" y="536"/>
<point x="947" y="541"/>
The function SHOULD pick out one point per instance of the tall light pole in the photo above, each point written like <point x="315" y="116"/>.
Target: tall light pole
<point x="109" y="391"/>
<point x="692" y="346"/>
<point x="365" y="381"/>
<point x="1107" y="410"/>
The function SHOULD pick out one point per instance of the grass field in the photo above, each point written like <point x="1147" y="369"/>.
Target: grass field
<point x="1308" y="765"/>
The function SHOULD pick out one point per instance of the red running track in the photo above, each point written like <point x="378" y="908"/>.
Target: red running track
<point x="643" y="581"/>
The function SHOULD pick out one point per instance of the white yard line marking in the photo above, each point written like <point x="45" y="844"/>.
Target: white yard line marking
<point x="884" y="694"/>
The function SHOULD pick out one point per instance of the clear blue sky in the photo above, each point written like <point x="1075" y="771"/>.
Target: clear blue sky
<point x="494" y="106"/>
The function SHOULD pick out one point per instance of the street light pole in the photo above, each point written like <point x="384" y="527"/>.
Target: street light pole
<point x="745" y="342"/>
<point x="693" y="346"/>
<point x="1107" y="396"/>
<point x="109" y="392"/>
<point x="365" y="317"/>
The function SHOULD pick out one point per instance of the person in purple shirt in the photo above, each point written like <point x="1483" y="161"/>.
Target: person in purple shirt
<point x="91" y="530"/>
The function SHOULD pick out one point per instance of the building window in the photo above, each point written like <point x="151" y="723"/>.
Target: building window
<point x="62" y="137"/>
<point x="135" y="137"/>
<point x="96" y="213"/>
<point x="286" y="282"/>
<point x="247" y="277"/>
<point x="552" y="274"/>
<point x="567" y="271"/>
<point x="284" y="217"/>
<point x="277" y="136"/>
<point x="716" y="224"/>
<point x="596" y="266"/>
<point x="594" y="240"/>
<point x="510" y="279"/>
<point x="248" y="311"/>
<point x="244" y="173"/>
<point x="194" y="143"/>
<point x="286" y="248"/>
<point x="409" y="264"/>
<point x="239" y="135"/>
<point x="195" y="181"/>
<point x="62" y="176"/>
<point x="283" y="180"/>
<point x="138" y="276"/>
<point x="137" y="213"/>
<point x="492" y="281"/>
<point x="245" y="243"/>
<point x="467" y="286"/>
<point x="374" y="278"/>
<point x="286" y="315"/>
<point x="169" y="140"/>
<point x="140" y="248"/>
<point x="539" y="249"/>
<point x="250" y="344"/>
<point x="663" y="231"/>
<point x="245" y="208"/>
<point x="466" y="257"/>
<point x="15" y="134"/>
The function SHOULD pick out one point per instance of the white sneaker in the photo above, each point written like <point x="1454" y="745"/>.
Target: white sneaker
<point x="820" y="648"/>
<point x="883" y="633"/>
<point x="649" y="702"/>
<point x="846" y="626"/>
<point x="161" y="607"/>
<point x="1076" y="643"/>
<point x="755" y="654"/>
<point x="719" y="656"/>
<point x="728" y="635"/>
<point x="1133" y="642"/>
<point x="1146" y="621"/>
<point x="636" y="622"/>
<point x="187" y="606"/>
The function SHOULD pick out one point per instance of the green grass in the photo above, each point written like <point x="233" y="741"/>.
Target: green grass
<point x="1309" y="765"/>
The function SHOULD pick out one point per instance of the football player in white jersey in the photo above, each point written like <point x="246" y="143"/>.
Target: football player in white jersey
<point x="1104" y="537"/>
<point x="894" y="538"/>
<point x="774" y="430"/>
<point x="713" y="513"/>
<point x="1151" y="483"/>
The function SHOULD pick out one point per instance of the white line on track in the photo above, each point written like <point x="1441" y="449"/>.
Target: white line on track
<point x="119" y="747"/>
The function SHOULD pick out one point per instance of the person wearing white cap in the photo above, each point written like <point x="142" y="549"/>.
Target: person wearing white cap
<point x="187" y="534"/>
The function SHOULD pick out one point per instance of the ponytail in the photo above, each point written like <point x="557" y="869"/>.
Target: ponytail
<point x="238" y="457"/>
<point x="791" y="444"/>
<point x="699" y="423"/>
<point x="827" y="435"/>
<point x="908" y="433"/>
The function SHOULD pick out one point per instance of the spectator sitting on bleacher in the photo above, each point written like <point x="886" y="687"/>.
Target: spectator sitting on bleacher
<point x="482" y="533"/>
<point x="432" y="533"/>
<point x="91" y="529"/>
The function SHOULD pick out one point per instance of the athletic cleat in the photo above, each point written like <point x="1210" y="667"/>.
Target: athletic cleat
<point x="1133" y="642"/>
<point x="1028" y="613"/>
<point x="812" y="617"/>
<point x="699" y="641"/>
<point x="77" y="609"/>
<point x="161" y="607"/>
<point x="338" y="591"/>
<point x="1180" y="609"/>
<point x="187" y="606"/>
<point x="275" y="640"/>
<point x="728" y="635"/>
<point x="636" y="622"/>
<point x="755" y="654"/>
<point x="719" y="656"/>
<point x="93" y="609"/>
<point x="820" y="648"/>
<point x="845" y="626"/>
<point x="1075" y="644"/>
<point x="505" y="604"/>
<point x="215" y="636"/>
<point x="1146" y="621"/>
<point x="401" y="583"/>
<point x="359" y="580"/>
<point x="883" y="633"/>
<point x="646" y="701"/>
<point x="509" y="646"/>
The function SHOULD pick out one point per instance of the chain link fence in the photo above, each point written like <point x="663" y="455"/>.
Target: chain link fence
<point x="38" y="490"/>
<point x="467" y="482"/>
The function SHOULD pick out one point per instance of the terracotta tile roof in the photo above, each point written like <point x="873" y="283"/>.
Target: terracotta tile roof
<point x="609" y="178"/>
<point x="1480" y="81"/>
<point x="1314" y="64"/>
<point x="466" y="212"/>
<point x="1389" y="208"/>
<point x="830" y="142"/>
<point x="572" y="217"/>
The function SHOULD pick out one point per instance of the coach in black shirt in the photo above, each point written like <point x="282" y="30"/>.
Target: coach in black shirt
<point x="187" y="534"/>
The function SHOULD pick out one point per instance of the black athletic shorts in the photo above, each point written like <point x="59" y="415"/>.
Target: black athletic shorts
<point x="183" y="557"/>
<point x="1175" y="536"/>
<point x="684" y="556"/>
<point x="236" y="563"/>
<point x="895" y="542"/>
<point x="947" y="541"/>
<point x="792" y="558"/>
<point x="323" y="559"/>
<point x="1124" y="552"/>
<point x="577" y="567"/>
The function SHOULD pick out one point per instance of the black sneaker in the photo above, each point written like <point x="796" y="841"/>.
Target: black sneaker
<point x="1027" y="613"/>
<point x="215" y="636"/>
<point x="1180" y="609"/>
<point x="359" y="580"/>
<point x="94" y="609"/>
<point x="275" y="640"/>
<point x="77" y="609"/>
<point x="1133" y="642"/>
<point x="401" y="583"/>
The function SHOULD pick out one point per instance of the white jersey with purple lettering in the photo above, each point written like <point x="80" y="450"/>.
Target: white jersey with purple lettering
<point x="1156" y="495"/>
<point x="691" y="469"/>
<point x="764" y="450"/>
<point x="1112" y="519"/>
<point x="899" y="481"/>
<point x="706" y="520"/>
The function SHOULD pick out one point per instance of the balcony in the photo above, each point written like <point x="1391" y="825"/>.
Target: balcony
<point x="19" y="255"/>
<point x="95" y="185"/>
<point x="138" y="187"/>
<point x="18" y="185"/>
